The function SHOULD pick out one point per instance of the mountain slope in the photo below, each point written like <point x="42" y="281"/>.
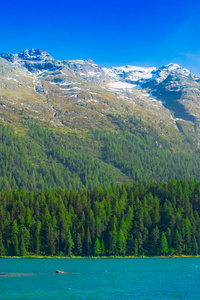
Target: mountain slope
<point x="87" y="125"/>
<point x="171" y="87"/>
<point x="58" y="91"/>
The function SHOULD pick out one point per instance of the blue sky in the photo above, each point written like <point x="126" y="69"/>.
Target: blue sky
<point x="112" y="33"/>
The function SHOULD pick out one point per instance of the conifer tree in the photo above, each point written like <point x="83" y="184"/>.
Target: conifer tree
<point x="113" y="243"/>
<point x="97" y="247"/>
<point x="103" y="249"/>
<point x="70" y="243"/>
<point x="37" y="237"/>
<point x="155" y="236"/>
<point x="88" y="242"/>
<point x="136" y="247"/>
<point x="22" y="247"/>
<point x="121" y="243"/>
<point x="79" y="244"/>
<point x="14" y="237"/>
<point x="52" y="242"/>
<point x="1" y="245"/>
<point x="163" y="244"/>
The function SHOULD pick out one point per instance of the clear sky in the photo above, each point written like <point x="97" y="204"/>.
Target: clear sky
<point x="112" y="33"/>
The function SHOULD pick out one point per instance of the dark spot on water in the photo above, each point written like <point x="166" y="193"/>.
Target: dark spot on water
<point x="16" y="274"/>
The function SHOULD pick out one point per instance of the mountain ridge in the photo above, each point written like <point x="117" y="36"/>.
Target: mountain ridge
<point x="146" y="84"/>
<point x="130" y="122"/>
<point x="170" y="92"/>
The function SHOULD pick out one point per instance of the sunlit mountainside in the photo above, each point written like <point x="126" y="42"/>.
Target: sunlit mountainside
<point x="75" y="124"/>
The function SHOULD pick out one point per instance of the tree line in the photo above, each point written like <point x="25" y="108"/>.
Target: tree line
<point x="155" y="218"/>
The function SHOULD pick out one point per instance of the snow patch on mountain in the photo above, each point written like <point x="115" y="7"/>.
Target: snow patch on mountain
<point x="10" y="78"/>
<point x="139" y="75"/>
<point x="76" y="61"/>
<point x="121" y="85"/>
<point x="130" y="73"/>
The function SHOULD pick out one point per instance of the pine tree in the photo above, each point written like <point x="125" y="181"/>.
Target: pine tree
<point x="195" y="246"/>
<point x="79" y="249"/>
<point x="113" y="244"/>
<point x="97" y="247"/>
<point x="1" y="245"/>
<point x="163" y="244"/>
<point x="121" y="243"/>
<point x="136" y="247"/>
<point x="37" y="237"/>
<point x="176" y="242"/>
<point x="22" y="247"/>
<point x="103" y="249"/>
<point x="155" y="236"/>
<point x="52" y="242"/>
<point x="88" y="242"/>
<point x="14" y="238"/>
<point x="70" y="243"/>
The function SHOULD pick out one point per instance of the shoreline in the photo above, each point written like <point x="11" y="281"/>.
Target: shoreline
<point x="99" y="257"/>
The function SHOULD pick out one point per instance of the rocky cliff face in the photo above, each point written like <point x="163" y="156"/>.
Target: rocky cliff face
<point x="82" y="94"/>
<point x="88" y="70"/>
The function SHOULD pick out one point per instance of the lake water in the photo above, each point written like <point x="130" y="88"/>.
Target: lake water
<point x="164" y="278"/>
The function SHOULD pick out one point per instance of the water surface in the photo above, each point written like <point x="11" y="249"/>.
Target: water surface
<point x="163" y="278"/>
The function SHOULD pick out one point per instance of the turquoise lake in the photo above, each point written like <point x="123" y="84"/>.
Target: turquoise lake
<point x="163" y="278"/>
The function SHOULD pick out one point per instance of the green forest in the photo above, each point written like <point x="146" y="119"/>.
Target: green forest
<point x="155" y="218"/>
<point x="42" y="157"/>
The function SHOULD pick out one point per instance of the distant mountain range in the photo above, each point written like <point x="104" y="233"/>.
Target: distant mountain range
<point x="48" y="89"/>
<point x="79" y="96"/>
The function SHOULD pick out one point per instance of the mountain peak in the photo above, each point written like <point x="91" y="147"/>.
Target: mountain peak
<point x="172" y="66"/>
<point x="175" y="68"/>
<point x="35" y="54"/>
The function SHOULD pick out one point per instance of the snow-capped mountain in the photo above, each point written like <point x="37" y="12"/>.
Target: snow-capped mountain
<point x="134" y="74"/>
<point x="59" y="91"/>
<point x="139" y="75"/>
<point x="168" y="84"/>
